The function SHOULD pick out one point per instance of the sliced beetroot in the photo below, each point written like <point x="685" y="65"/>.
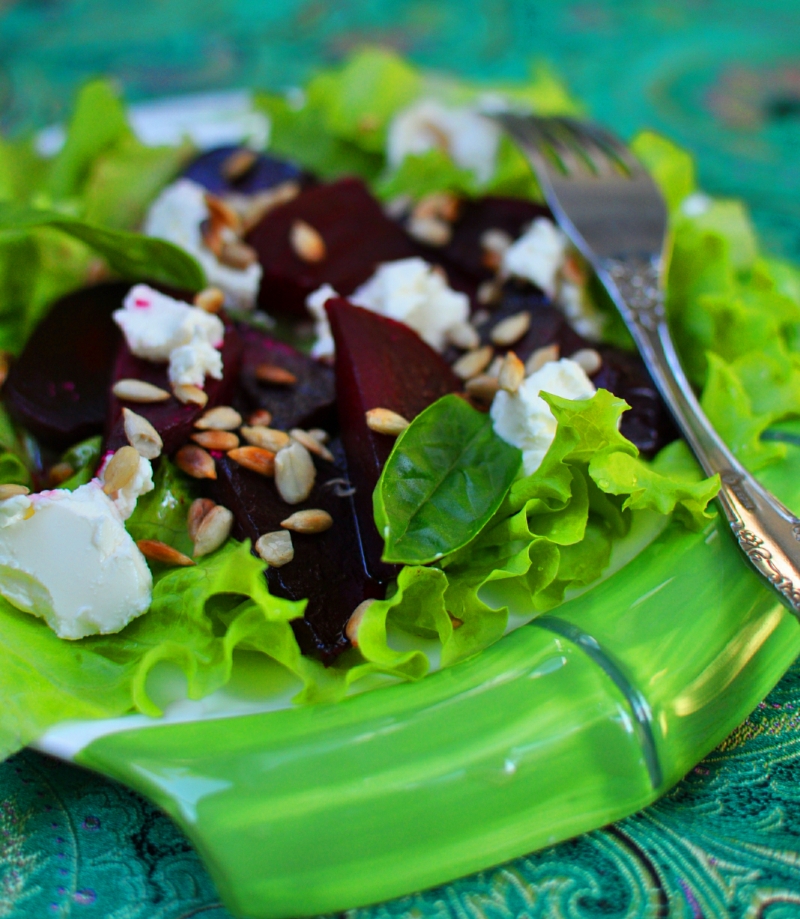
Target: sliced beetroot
<point x="327" y="569"/>
<point x="58" y="389"/>
<point x="208" y="170"/>
<point x="380" y="363"/>
<point x="357" y="235"/>
<point x="308" y="403"/>
<point x="173" y="420"/>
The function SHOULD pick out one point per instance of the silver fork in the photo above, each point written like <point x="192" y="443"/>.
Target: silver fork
<point x="612" y="211"/>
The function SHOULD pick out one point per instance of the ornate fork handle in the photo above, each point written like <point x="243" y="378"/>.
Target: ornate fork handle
<point x="767" y="532"/>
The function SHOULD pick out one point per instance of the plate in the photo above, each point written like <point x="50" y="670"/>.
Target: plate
<point x="576" y="720"/>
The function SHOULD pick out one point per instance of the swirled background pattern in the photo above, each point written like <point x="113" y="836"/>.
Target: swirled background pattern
<point x="719" y="76"/>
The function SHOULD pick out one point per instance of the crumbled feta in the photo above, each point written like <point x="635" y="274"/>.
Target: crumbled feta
<point x="176" y="216"/>
<point x="323" y="345"/>
<point x="160" y="328"/>
<point x="582" y="314"/>
<point x="73" y="563"/>
<point x="524" y="419"/>
<point x="468" y="137"/>
<point x="124" y="499"/>
<point x="538" y="255"/>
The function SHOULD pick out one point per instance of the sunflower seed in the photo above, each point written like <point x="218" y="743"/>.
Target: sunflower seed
<point x="190" y="395"/>
<point x="311" y="444"/>
<point x="464" y="336"/>
<point x="310" y="521"/>
<point x="540" y="357"/>
<point x="138" y="391"/>
<point x="216" y="440"/>
<point x="221" y="418"/>
<point x="198" y="510"/>
<point x="431" y="231"/>
<point x="275" y="548"/>
<point x="11" y="491"/>
<point x="318" y="434"/>
<point x="142" y="435"/>
<point x="588" y="359"/>
<point x="238" y="164"/>
<point x="510" y="330"/>
<point x="385" y="421"/>
<point x="158" y="551"/>
<point x="473" y="362"/>
<point x="255" y="207"/>
<point x="210" y="300"/>
<point x="483" y="388"/>
<point x="120" y="469"/>
<point x="221" y="214"/>
<point x="441" y="205"/>
<point x="213" y="530"/>
<point x="278" y="376"/>
<point x="238" y="255"/>
<point x="268" y="438"/>
<point x="496" y="240"/>
<point x="256" y="459"/>
<point x="294" y="473"/>
<point x="260" y="418"/>
<point x="355" y="620"/>
<point x="196" y="462"/>
<point x="512" y="373"/>
<point x="306" y="242"/>
<point x="489" y="293"/>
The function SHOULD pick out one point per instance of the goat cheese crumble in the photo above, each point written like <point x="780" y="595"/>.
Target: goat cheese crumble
<point x="538" y="255"/>
<point x="524" y="420"/>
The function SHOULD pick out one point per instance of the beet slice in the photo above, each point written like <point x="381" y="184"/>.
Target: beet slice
<point x="266" y="172"/>
<point x="173" y="420"/>
<point x="380" y="363"/>
<point x="357" y="235"/>
<point x="58" y="389"/>
<point x="309" y="403"/>
<point x="327" y="569"/>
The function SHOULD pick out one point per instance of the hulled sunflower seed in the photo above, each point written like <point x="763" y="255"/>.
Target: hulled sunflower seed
<point x="257" y="206"/>
<point x="385" y="421"/>
<point x="221" y="214"/>
<point x="198" y="510"/>
<point x="275" y="548"/>
<point x="138" y="391"/>
<point x="196" y="462"/>
<point x="473" y="362"/>
<point x="236" y="254"/>
<point x="294" y="473"/>
<point x="268" y="438"/>
<point x="272" y="373"/>
<point x="221" y="418"/>
<point x="158" y="551"/>
<point x="588" y="359"/>
<point x="307" y="242"/>
<point x="463" y="335"/>
<point x="355" y="620"/>
<point x="509" y="331"/>
<point x="483" y="388"/>
<point x="190" y="395"/>
<point x="256" y="459"/>
<point x="210" y="300"/>
<point x="540" y="357"/>
<point x="11" y="491"/>
<point x="318" y="434"/>
<point x="142" y="436"/>
<point x="260" y="418"/>
<point x="216" y="440"/>
<point x="441" y="205"/>
<point x="310" y="521"/>
<point x="120" y="469"/>
<point x="213" y="530"/>
<point x="489" y="292"/>
<point x="238" y="164"/>
<point x="431" y="231"/>
<point x="512" y="373"/>
<point x="311" y="444"/>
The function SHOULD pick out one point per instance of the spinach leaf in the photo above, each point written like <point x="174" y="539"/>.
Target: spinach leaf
<point x="446" y="476"/>
<point x="129" y="254"/>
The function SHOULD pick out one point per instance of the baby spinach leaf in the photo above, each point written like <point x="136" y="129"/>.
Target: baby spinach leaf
<point x="445" y="478"/>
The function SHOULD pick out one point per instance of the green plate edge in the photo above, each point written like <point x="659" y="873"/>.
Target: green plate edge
<point x="577" y="720"/>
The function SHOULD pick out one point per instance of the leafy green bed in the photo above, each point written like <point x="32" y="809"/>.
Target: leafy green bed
<point x="737" y="321"/>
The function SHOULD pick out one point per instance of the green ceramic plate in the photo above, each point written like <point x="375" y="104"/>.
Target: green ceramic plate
<point x="574" y="721"/>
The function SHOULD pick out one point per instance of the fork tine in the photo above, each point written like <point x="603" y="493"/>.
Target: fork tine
<point x="612" y="146"/>
<point x="563" y="146"/>
<point x="604" y="165"/>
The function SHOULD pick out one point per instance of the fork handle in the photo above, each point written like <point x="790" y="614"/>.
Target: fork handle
<point x="767" y="532"/>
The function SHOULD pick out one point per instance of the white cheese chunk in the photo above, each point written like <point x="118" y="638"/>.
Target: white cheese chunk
<point x="176" y="216"/>
<point x="73" y="563"/>
<point x="468" y="137"/>
<point x="124" y="499"/>
<point x="524" y="419"/>
<point x="538" y="255"/>
<point x="408" y="290"/>
<point x="189" y="364"/>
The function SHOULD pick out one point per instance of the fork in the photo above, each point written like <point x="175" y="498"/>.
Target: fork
<point x="611" y="209"/>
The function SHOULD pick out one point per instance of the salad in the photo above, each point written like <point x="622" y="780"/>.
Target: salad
<point x="364" y="364"/>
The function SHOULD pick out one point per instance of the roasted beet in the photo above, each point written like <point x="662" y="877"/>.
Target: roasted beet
<point x="58" y="389"/>
<point x="308" y="403"/>
<point x="173" y="420"/>
<point x="265" y="172"/>
<point x="357" y="236"/>
<point x="327" y="568"/>
<point x="380" y="363"/>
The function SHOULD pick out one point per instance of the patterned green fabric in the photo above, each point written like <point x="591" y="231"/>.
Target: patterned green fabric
<point x="722" y="77"/>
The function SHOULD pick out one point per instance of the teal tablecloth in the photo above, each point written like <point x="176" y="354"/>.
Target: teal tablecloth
<point x="722" y="78"/>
